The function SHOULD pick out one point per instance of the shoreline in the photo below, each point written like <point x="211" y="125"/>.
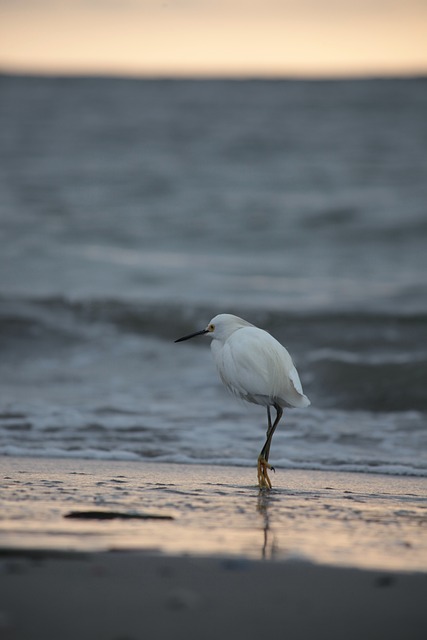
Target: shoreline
<point x="324" y="555"/>
<point x="330" y="518"/>
<point x="134" y="460"/>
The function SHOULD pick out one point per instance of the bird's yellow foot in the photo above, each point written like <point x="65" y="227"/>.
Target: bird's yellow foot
<point x="263" y="479"/>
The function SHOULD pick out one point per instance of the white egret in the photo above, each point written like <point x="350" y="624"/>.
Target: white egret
<point x="255" y="367"/>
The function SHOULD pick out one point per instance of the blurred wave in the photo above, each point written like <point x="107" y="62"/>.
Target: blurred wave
<point x="376" y="362"/>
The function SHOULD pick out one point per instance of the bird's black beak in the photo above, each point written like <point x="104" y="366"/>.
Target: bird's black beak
<point x="192" y="335"/>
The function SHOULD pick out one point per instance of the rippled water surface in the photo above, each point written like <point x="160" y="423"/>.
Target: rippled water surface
<point x="133" y="211"/>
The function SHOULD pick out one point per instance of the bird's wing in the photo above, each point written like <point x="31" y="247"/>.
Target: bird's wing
<point x="253" y="364"/>
<point x="299" y="399"/>
<point x="244" y="365"/>
<point x="293" y="374"/>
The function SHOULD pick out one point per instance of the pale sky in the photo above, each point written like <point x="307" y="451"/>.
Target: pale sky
<point x="214" y="37"/>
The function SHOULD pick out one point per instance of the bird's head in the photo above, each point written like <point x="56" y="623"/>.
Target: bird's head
<point x="220" y="327"/>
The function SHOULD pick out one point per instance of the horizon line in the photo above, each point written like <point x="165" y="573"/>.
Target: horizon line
<point x="234" y="76"/>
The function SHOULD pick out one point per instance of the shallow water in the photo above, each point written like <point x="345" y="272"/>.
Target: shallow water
<point x="134" y="211"/>
<point x="333" y="518"/>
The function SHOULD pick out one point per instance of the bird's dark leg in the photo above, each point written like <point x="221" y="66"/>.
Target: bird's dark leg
<point x="266" y="448"/>
<point x="269" y="420"/>
<point x="263" y="479"/>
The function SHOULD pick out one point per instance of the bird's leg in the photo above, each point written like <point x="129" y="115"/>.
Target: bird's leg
<point x="270" y="432"/>
<point x="263" y="479"/>
<point x="263" y="465"/>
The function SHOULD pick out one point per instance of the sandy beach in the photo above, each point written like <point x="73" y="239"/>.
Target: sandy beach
<point x="199" y="551"/>
<point x="132" y="596"/>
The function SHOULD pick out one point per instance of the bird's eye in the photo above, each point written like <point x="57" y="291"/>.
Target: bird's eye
<point x="211" y="327"/>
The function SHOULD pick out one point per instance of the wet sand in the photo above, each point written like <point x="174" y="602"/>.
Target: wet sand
<point x="133" y="596"/>
<point x="324" y="555"/>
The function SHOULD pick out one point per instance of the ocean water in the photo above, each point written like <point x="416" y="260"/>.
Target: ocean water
<point x="133" y="211"/>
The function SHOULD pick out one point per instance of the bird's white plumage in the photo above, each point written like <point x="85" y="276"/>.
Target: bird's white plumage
<point x="253" y="365"/>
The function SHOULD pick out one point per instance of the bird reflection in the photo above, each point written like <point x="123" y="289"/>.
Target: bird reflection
<point x="263" y="505"/>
